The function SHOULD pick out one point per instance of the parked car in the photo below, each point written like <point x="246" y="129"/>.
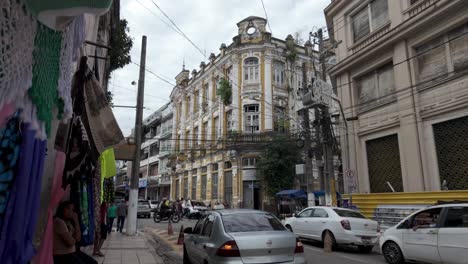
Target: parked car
<point x="194" y="209"/>
<point x="437" y="234"/>
<point x="241" y="236"/>
<point x="154" y="204"/>
<point x="144" y="209"/>
<point x="345" y="226"/>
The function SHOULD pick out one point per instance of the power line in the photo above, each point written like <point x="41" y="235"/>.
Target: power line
<point x="167" y="24"/>
<point x="266" y="16"/>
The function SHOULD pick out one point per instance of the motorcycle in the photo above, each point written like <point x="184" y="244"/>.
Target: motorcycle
<point x="163" y="215"/>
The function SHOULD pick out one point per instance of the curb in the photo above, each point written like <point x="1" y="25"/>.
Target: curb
<point x="165" y="247"/>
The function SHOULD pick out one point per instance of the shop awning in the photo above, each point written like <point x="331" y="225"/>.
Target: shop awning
<point x="124" y="151"/>
<point x="294" y="194"/>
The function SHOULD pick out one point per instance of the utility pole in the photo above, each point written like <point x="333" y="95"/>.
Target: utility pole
<point x="329" y="168"/>
<point x="308" y="159"/>
<point x="133" y="196"/>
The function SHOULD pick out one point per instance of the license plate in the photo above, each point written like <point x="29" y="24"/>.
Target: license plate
<point x="367" y="240"/>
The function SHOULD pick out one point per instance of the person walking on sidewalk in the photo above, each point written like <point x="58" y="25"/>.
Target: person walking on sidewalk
<point x="121" y="214"/>
<point x="111" y="215"/>
<point x="103" y="233"/>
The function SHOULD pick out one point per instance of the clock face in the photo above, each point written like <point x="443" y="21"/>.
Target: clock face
<point x="251" y="30"/>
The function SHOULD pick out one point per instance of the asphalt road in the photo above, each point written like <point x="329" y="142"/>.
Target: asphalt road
<point x="313" y="251"/>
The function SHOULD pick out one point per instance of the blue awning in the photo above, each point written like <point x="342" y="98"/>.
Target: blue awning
<point x="295" y="194"/>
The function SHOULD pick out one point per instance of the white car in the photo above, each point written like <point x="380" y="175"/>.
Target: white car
<point x="437" y="234"/>
<point x="346" y="227"/>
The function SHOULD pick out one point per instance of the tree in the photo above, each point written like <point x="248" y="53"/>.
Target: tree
<point x="277" y="165"/>
<point x="121" y="44"/>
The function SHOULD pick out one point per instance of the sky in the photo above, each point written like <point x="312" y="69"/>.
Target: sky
<point x="207" y="23"/>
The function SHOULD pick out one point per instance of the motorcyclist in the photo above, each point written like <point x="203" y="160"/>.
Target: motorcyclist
<point x="165" y="207"/>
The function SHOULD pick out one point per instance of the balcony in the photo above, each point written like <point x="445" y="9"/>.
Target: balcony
<point x="418" y="7"/>
<point x="247" y="140"/>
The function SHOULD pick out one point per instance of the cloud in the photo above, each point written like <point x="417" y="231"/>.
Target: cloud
<point x="207" y="23"/>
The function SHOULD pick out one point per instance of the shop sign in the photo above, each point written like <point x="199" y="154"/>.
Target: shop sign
<point x="142" y="183"/>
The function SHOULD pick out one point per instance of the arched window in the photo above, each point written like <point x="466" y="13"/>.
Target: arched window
<point x="251" y="70"/>
<point x="278" y="73"/>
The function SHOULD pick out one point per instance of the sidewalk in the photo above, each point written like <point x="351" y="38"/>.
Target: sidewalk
<point x="119" y="249"/>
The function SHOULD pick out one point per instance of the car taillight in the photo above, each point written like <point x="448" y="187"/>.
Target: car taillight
<point x="345" y="224"/>
<point x="228" y="249"/>
<point x="299" y="247"/>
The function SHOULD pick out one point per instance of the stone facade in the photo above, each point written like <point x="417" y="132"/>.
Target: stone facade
<point x="401" y="77"/>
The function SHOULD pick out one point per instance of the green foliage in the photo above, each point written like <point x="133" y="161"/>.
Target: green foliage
<point x="110" y="97"/>
<point x="121" y="43"/>
<point x="277" y="165"/>
<point x="224" y="91"/>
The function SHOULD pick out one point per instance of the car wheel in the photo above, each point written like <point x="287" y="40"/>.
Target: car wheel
<point x="185" y="257"/>
<point x="289" y="228"/>
<point x="365" y="249"/>
<point x="392" y="253"/>
<point x="332" y="237"/>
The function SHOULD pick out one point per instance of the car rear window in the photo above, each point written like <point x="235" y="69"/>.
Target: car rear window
<point x="348" y="213"/>
<point x="143" y="205"/>
<point x="251" y="222"/>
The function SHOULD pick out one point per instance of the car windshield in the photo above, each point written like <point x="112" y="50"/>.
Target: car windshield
<point x="251" y="222"/>
<point x="349" y="213"/>
<point x="198" y="204"/>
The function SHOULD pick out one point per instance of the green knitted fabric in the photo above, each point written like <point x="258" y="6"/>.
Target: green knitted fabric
<point x="46" y="71"/>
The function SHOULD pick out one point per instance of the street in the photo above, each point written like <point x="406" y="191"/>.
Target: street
<point x="313" y="251"/>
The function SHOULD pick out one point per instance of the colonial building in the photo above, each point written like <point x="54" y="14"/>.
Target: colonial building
<point x="265" y="76"/>
<point x="401" y="75"/>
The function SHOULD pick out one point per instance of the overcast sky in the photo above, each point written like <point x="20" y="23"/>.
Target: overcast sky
<point x="208" y="23"/>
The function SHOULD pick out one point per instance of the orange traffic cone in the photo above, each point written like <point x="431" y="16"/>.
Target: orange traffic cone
<point x="180" y="240"/>
<point x="170" y="231"/>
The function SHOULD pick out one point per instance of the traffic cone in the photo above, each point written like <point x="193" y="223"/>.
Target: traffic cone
<point x="180" y="240"/>
<point x="170" y="230"/>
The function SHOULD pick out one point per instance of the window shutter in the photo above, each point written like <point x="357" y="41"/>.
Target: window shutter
<point x="361" y="24"/>
<point x="379" y="10"/>
<point x="459" y="47"/>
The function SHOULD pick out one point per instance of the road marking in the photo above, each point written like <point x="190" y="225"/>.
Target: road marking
<point x="355" y="259"/>
<point x="338" y="254"/>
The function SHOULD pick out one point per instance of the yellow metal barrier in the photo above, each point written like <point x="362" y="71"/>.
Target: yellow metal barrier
<point x="368" y="203"/>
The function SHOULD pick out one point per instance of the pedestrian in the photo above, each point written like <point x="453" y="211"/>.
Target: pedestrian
<point x="103" y="233"/>
<point x="111" y="215"/>
<point x="179" y="207"/>
<point x="121" y="214"/>
<point x="67" y="234"/>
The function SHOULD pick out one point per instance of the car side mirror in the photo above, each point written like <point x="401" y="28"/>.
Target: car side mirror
<point x="188" y="230"/>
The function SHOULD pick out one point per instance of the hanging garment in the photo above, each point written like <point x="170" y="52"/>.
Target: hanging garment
<point x="17" y="32"/>
<point x="46" y="71"/>
<point x="22" y="209"/>
<point x="97" y="199"/>
<point x="44" y="253"/>
<point x="10" y="139"/>
<point x="109" y="190"/>
<point x="104" y="130"/>
<point x="57" y="14"/>
<point x="82" y="197"/>
<point x="6" y="113"/>
<point x="107" y="160"/>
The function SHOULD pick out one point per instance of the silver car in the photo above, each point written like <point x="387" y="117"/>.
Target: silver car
<point x="241" y="236"/>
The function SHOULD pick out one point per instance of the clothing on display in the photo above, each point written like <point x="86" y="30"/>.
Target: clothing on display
<point x="22" y="209"/>
<point x="17" y="32"/>
<point x="10" y="140"/>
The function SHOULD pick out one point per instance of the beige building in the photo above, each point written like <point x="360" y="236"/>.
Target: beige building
<point x="265" y="75"/>
<point x="401" y="75"/>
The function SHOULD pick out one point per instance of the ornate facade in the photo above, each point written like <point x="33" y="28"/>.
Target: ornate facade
<point x="265" y="76"/>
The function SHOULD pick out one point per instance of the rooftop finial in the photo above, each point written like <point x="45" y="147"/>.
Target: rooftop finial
<point x="183" y="64"/>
